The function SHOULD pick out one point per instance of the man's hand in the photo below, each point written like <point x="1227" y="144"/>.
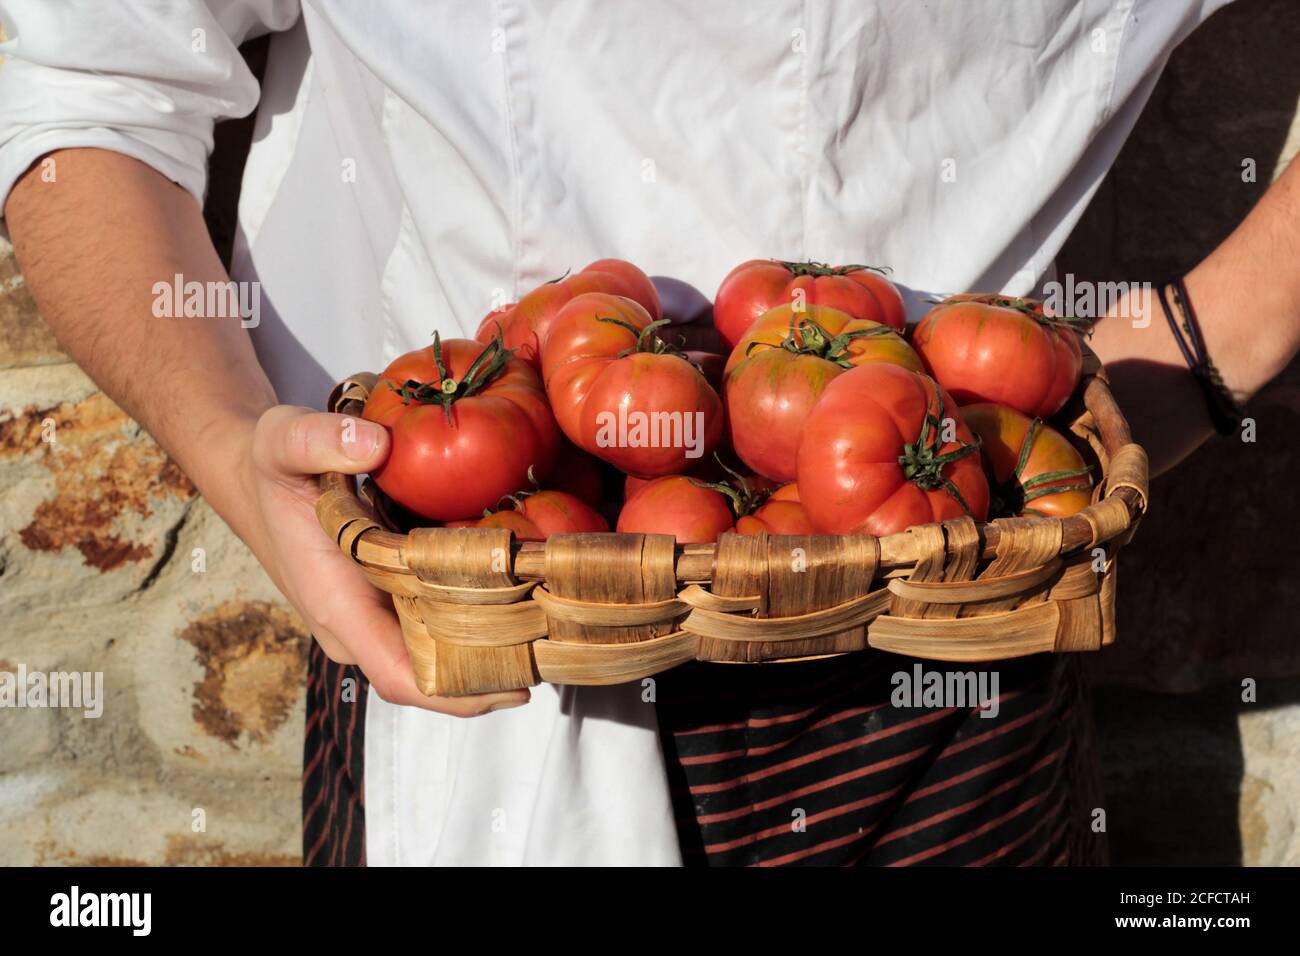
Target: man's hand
<point x="353" y="621"/>
<point x="92" y="242"/>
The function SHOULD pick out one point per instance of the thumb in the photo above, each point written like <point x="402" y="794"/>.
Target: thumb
<point x="290" y="440"/>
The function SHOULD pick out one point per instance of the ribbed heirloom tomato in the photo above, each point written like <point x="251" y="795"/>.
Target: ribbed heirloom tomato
<point x="884" y="449"/>
<point x="524" y="324"/>
<point x="988" y="348"/>
<point x="535" y="516"/>
<point x="621" y="394"/>
<point x="468" y="421"/>
<point x="760" y="285"/>
<point x="1034" y="469"/>
<point x="781" y="366"/>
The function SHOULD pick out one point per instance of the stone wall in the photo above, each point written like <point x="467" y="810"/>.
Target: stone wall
<point x="110" y="563"/>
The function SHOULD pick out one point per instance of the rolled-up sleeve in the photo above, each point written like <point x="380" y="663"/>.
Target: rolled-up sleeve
<point x="147" y="79"/>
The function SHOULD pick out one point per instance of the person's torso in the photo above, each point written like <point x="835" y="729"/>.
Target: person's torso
<point x="415" y="167"/>
<point x="483" y="148"/>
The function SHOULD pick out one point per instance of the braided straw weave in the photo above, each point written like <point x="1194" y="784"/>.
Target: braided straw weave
<point x="481" y="612"/>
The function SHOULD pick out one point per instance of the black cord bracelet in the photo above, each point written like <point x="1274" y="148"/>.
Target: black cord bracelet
<point x="1225" y="413"/>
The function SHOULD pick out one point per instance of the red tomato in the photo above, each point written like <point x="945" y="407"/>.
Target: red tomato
<point x="538" y="515"/>
<point x="524" y="325"/>
<point x="781" y="513"/>
<point x="621" y="395"/>
<point x="986" y="348"/>
<point x="780" y="368"/>
<point x="1034" y="469"/>
<point x="692" y="513"/>
<point x="468" y="421"/>
<point x="491" y="324"/>
<point x="873" y="459"/>
<point x="694" y="517"/>
<point x="760" y="285"/>
<point x="710" y="471"/>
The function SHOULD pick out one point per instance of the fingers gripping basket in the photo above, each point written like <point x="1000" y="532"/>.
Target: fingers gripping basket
<point x="481" y="612"/>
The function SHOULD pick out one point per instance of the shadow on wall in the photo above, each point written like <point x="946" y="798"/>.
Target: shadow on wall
<point x="1178" y="787"/>
<point x="1206" y="600"/>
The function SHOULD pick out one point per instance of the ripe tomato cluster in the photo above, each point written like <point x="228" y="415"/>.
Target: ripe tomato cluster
<point x="578" y="408"/>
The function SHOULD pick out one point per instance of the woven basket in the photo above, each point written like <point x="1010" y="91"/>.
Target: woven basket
<point x="481" y="612"/>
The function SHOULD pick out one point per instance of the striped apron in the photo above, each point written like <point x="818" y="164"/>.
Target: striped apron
<point x="810" y="763"/>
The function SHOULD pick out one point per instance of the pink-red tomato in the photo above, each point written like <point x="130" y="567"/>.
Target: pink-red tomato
<point x="709" y="470"/>
<point x="620" y="395"/>
<point x="780" y="368"/>
<point x="875" y="456"/>
<point x="987" y="348"/>
<point x="678" y="506"/>
<point x="467" y="421"/>
<point x="524" y="324"/>
<point x="760" y="285"/>
<point x="781" y="513"/>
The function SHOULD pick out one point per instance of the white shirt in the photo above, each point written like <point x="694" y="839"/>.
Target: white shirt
<point x="415" y="165"/>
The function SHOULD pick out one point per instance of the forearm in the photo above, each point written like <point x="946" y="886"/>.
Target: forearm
<point x="1247" y="299"/>
<point x="92" y="244"/>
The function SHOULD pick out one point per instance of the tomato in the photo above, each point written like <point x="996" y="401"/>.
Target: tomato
<point x="1034" y="468"/>
<point x="696" y="512"/>
<point x="467" y="421"/>
<point x="824" y="333"/>
<point x="709" y="470"/>
<point x="781" y="513"/>
<point x="780" y="368"/>
<point x="987" y="348"/>
<point x="558" y="512"/>
<point x="524" y="324"/>
<point x="873" y="460"/>
<point x="578" y="474"/>
<point x="535" y="516"/>
<point x="620" y="394"/>
<point x="760" y="285"/>
<point x="691" y="512"/>
<point x="491" y="323"/>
